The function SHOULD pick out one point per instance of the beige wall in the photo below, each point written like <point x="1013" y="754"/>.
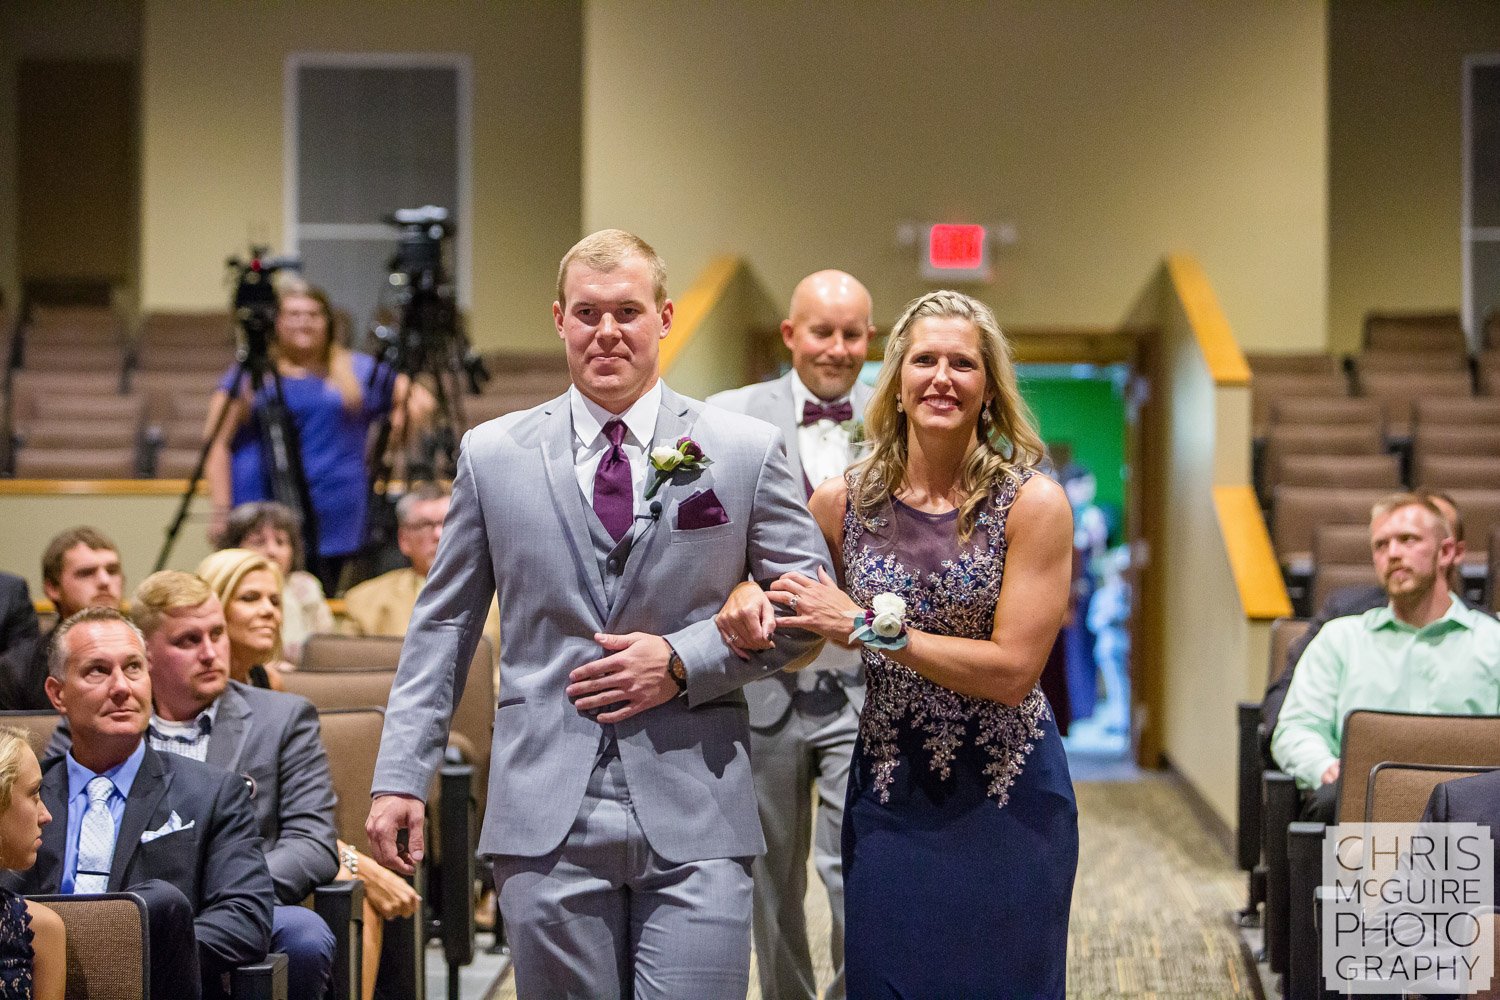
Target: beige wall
<point x="800" y="136"/>
<point x="1395" y="161"/>
<point x="212" y="147"/>
<point x="49" y="30"/>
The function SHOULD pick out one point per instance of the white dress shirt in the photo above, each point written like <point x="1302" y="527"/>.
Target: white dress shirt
<point x="590" y="442"/>
<point x="824" y="446"/>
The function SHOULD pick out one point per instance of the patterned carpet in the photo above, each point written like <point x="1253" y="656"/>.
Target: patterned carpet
<point x="1150" y="910"/>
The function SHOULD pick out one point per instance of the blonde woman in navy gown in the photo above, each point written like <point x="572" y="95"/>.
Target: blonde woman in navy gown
<point x="960" y="832"/>
<point x="33" y="963"/>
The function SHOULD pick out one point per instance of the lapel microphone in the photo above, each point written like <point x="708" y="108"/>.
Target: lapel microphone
<point x="655" y="514"/>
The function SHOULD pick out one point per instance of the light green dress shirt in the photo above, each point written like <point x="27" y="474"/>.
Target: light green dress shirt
<point x="1377" y="661"/>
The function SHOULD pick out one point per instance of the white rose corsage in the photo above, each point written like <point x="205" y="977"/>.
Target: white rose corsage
<point x="883" y="625"/>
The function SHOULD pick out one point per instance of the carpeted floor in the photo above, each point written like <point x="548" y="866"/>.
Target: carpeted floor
<point x="1150" y="910"/>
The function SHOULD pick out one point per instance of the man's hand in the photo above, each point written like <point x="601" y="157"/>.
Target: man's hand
<point x="630" y="680"/>
<point x="1332" y="774"/>
<point x="390" y="814"/>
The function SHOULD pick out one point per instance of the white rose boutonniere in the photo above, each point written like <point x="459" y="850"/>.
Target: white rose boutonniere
<point x="685" y="456"/>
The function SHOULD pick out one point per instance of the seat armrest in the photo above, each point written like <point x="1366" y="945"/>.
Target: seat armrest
<point x="260" y="981"/>
<point x="1248" y="819"/>
<point x="1279" y="807"/>
<point x="453" y="920"/>
<point x="341" y="905"/>
<point x="1305" y="868"/>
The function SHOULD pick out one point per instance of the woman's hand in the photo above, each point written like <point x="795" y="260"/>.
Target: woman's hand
<point x="747" y="620"/>
<point x="387" y="892"/>
<point x="816" y="605"/>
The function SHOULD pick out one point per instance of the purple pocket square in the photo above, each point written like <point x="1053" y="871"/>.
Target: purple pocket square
<point x="701" y="510"/>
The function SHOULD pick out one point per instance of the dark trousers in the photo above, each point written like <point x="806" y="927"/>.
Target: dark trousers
<point x="1321" y="805"/>
<point x="174" y="948"/>
<point x="305" y="939"/>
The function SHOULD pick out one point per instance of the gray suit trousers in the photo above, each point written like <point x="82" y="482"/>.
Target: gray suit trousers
<point x="603" y="915"/>
<point x="810" y="748"/>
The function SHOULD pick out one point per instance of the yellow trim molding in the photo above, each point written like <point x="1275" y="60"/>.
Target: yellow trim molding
<point x="1221" y="351"/>
<point x="1251" y="559"/>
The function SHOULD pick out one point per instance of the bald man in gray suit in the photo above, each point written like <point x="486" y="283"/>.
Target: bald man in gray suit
<point x="613" y="522"/>
<point x="803" y="725"/>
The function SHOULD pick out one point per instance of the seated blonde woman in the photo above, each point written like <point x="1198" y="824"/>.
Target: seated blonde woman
<point x="33" y="962"/>
<point x="249" y="586"/>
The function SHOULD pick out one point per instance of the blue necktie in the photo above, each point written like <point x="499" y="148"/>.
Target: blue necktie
<point x="96" y="839"/>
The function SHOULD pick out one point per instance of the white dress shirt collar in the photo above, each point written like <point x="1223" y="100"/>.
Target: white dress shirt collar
<point x="589" y="417"/>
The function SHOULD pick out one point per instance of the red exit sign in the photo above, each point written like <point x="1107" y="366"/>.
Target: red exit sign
<point x="959" y="248"/>
<point x="956" y="252"/>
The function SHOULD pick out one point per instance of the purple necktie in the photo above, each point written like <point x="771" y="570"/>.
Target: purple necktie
<point x="837" y="412"/>
<point x="614" y="501"/>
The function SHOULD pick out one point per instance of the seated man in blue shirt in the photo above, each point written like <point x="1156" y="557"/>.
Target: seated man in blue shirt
<point x="179" y="832"/>
<point x="1424" y="651"/>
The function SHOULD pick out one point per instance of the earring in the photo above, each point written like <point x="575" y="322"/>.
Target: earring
<point x="899" y="407"/>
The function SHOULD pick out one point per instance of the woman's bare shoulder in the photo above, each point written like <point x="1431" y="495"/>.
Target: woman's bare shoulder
<point x="829" y="499"/>
<point x="1041" y="502"/>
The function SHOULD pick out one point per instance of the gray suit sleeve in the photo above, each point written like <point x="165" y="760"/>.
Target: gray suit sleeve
<point x="445" y="628"/>
<point x="303" y="857"/>
<point x="783" y="538"/>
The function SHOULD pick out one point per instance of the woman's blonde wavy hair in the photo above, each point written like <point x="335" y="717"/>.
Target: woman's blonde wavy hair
<point x="12" y="743"/>
<point x="1006" y="438"/>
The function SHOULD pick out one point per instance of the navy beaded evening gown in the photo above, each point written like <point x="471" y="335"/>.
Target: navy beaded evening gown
<point x="15" y="948"/>
<point x="961" y="831"/>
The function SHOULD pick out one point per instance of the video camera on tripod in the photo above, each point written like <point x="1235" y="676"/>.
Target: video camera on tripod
<point x="255" y="303"/>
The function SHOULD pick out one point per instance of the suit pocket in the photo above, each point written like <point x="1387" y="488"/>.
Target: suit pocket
<point x="718" y="531"/>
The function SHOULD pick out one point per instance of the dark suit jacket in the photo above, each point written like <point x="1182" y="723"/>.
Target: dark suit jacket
<point x="17" y="613"/>
<point x="1341" y="603"/>
<point x="23" y="674"/>
<point x="217" y="863"/>
<point x="271" y="739"/>
<point x="1468" y="800"/>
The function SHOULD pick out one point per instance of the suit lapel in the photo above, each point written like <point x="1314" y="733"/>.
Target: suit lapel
<point x="47" y="874"/>
<point x="672" y="423"/>
<point x="150" y="787"/>
<point x="226" y="742"/>
<point x="557" y="458"/>
<point x="784" y="415"/>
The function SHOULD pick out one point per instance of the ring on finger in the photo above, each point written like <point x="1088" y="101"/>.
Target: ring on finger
<point x="792" y="603"/>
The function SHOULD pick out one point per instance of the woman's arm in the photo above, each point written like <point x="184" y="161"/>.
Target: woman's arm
<point x="216" y="469"/>
<point x="1033" y="600"/>
<point x="49" y="967"/>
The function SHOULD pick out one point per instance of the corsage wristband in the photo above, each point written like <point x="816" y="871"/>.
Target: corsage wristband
<point x="883" y="626"/>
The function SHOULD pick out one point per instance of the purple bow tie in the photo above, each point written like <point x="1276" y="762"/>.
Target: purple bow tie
<point x="837" y="412"/>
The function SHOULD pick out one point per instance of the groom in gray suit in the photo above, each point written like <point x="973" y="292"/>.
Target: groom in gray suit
<point x="612" y="522"/>
<point x="803" y="725"/>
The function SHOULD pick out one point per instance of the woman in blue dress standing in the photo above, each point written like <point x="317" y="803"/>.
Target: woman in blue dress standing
<point x="334" y="396"/>
<point x="955" y="557"/>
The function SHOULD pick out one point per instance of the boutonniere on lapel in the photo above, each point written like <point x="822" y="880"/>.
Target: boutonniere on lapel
<point x="685" y="456"/>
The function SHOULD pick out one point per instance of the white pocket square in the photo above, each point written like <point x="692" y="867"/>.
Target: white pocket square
<point x="172" y="825"/>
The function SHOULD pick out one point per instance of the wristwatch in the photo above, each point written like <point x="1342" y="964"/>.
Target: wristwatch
<point x="677" y="670"/>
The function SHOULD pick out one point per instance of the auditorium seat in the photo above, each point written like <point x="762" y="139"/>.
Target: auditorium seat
<point x="76" y="463"/>
<point x="120" y="969"/>
<point x="1309" y="363"/>
<point x="1399" y="391"/>
<point x="1450" y="472"/>
<point x="1338" y="470"/>
<point x="1476" y="412"/>
<point x="1302" y="410"/>
<point x="1298" y="511"/>
<point x="1481" y="512"/>
<point x="1346" y="544"/>
<point x="1488" y="365"/>
<point x="1266" y="389"/>
<point x="1328" y="577"/>
<point x="1285" y="440"/>
<point x="1454" y="440"/>
<point x="1493" y="585"/>
<point x="1414" y="331"/>
<point x="1398" y="361"/>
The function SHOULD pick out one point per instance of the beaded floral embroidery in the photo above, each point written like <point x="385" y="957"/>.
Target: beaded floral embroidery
<point x="959" y="600"/>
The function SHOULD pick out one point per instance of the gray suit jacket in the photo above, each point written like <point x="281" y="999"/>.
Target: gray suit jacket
<point x="517" y="526"/>
<point x="770" y="699"/>
<point x="272" y="740"/>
